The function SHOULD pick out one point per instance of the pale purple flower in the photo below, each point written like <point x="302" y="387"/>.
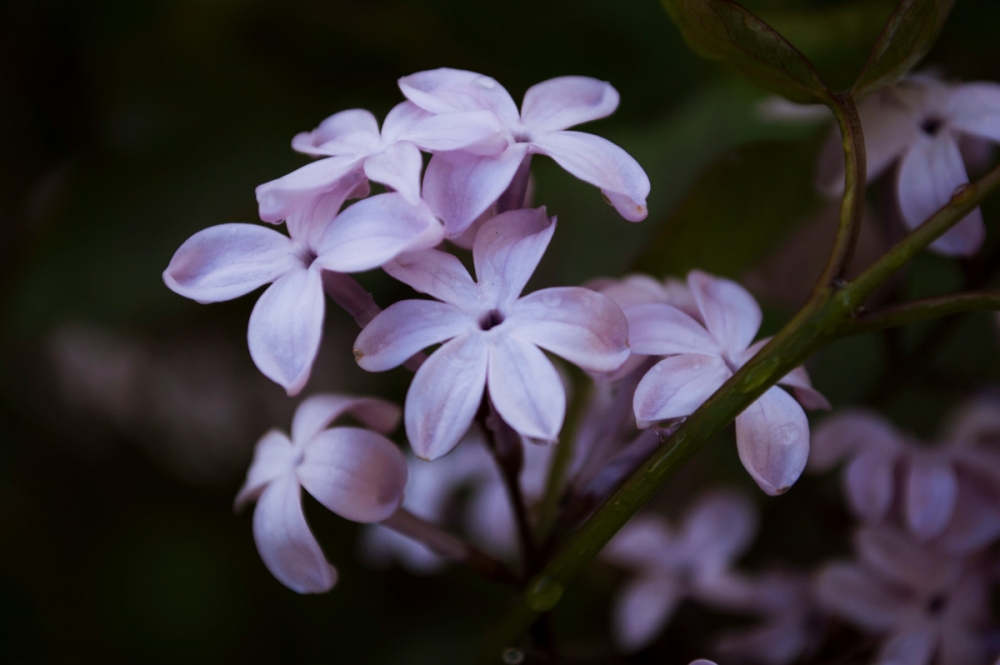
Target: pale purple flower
<point x="670" y="565"/>
<point x="772" y="434"/>
<point x="928" y="606"/>
<point x="463" y="186"/>
<point x="356" y="473"/>
<point x="491" y="335"/>
<point x="921" y="123"/>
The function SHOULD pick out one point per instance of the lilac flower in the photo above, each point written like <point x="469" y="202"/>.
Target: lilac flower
<point x="354" y="472"/>
<point x="772" y="434"/>
<point x="669" y="566"/>
<point x="351" y="146"/>
<point x="922" y="601"/>
<point x="492" y="337"/>
<point x="463" y="186"/>
<point x="920" y="122"/>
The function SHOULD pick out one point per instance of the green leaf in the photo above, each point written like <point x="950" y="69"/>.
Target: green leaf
<point x="907" y="36"/>
<point x="724" y="30"/>
<point x="738" y="210"/>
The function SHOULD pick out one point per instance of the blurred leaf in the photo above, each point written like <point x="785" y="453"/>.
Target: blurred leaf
<point x="908" y="34"/>
<point x="724" y="30"/>
<point x="736" y="212"/>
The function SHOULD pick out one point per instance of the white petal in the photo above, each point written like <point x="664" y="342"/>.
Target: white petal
<point x="444" y="396"/>
<point x="525" y="388"/>
<point x="642" y="609"/>
<point x="356" y="473"/>
<point x="929" y="174"/>
<point x="566" y="101"/>
<point x="375" y="231"/>
<point x="719" y="528"/>
<point x="870" y="483"/>
<point x="582" y="326"/>
<point x="856" y="594"/>
<point x="445" y="90"/>
<point x="507" y="250"/>
<point x="472" y="132"/>
<point x="931" y="490"/>
<point x="772" y="436"/>
<point x="659" y="329"/>
<point x="399" y="168"/>
<point x="285" y="543"/>
<point x="279" y="198"/>
<point x="913" y="647"/>
<point x="227" y="261"/>
<point x="438" y="274"/>
<point x="603" y="164"/>
<point x="400" y="120"/>
<point x="317" y="412"/>
<point x="308" y="222"/>
<point x="336" y="127"/>
<point x="286" y="326"/>
<point x="406" y="327"/>
<point x="731" y="314"/>
<point x="273" y="457"/>
<point x="677" y="386"/>
<point x="848" y="431"/>
<point x="974" y="108"/>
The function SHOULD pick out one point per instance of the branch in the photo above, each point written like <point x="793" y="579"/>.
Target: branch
<point x="926" y="308"/>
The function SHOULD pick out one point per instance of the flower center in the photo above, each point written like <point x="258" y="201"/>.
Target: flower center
<point x="305" y="254"/>
<point x="931" y="125"/>
<point x="490" y="319"/>
<point x="936" y="604"/>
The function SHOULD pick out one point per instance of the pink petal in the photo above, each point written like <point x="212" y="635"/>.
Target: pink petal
<point x="285" y="543"/>
<point x="641" y="543"/>
<point x="398" y="167"/>
<point x="931" y="489"/>
<point x="929" y="174"/>
<point x="854" y="593"/>
<point x="336" y="127"/>
<point x="273" y="457"/>
<point x="308" y="222"/>
<point x="896" y="556"/>
<point x="400" y="121"/>
<point x="472" y="132"/>
<point x="976" y="519"/>
<point x="603" y="164"/>
<point x="578" y="324"/>
<point x="974" y="108"/>
<point x="356" y="473"/>
<point x="316" y="412"/>
<point x="525" y="388"/>
<point x="848" y="431"/>
<point x="406" y="327"/>
<point x="227" y="261"/>
<point x="913" y="647"/>
<point x="566" y="101"/>
<point x="677" y="386"/>
<point x="459" y="192"/>
<point x="507" y="250"/>
<point x="375" y="231"/>
<point x="446" y="90"/>
<point x="642" y="609"/>
<point x="658" y="329"/>
<point x="438" y="274"/>
<point x="731" y="314"/>
<point x="772" y="436"/>
<point x="285" y="329"/>
<point x="870" y="483"/>
<point x="444" y="396"/>
<point x="279" y="198"/>
<point x="719" y="528"/>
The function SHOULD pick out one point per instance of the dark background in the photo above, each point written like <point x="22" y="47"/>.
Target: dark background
<point x="128" y="414"/>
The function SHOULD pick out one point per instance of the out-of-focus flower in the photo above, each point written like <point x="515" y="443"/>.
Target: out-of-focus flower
<point x="463" y="186"/>
<point x="492" y="336"/>
<point x="669" y="565"/>
<point x="356" y="473"/>
<point x="920" y="122"/>
<point x="772" y="434"/>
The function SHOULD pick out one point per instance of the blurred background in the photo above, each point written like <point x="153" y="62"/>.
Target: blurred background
<point x="128" y="414"/>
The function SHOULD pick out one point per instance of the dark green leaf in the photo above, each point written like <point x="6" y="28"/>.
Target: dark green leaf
<point x="909" y="33"/>
<point x="724" y="30"/>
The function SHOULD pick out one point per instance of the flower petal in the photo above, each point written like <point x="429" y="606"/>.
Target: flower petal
<point x="400" y="121"/>
<point x="472" y="132"/>
<point x="446" y="90"/>
<point x="525" y="388"/>
<point x="356" y="473"/>
<point x="438" y="274"/>
<point x="719" y="528"/>
<point x="375" y="231"/>
<point x="797" y="379"/>
<point x="507" y="250"/>
<point x="406" y="327"/>
<point x="227" y="261"/>
<point x="273" y="457"/>
<point x="286" y="326"/>
<point x="896" y="556"/>
<point x="854" y="593"/>
<point x="316" y="412"/>
<point x="976" y="519"/>
<point x="335" y="128"/>
<point x="931" y="490"/>
<point x="603" y="164"/>
<point x="870" y="483"/>
<point x="772" y="436"/>
<point x="731" y="314"/>
<point x="848" y="431"/>
<point x="659" y="329"/>
<point x="285" y="543"/>
<point x="583" y="326"/>
<point x="641" y="543"/>
<point x="912" y="647"/>
<point x="929" y="174"/>
<point x="399" y="168"/>
<point x="566" y="101"/>
<point x="444" y="396"/>
<point x="974" y="108"/>
<point x="642" y="609"/>
<point x="307" y="223"/>
<point x="279" y="198"/>
<point x="677" y="386"/>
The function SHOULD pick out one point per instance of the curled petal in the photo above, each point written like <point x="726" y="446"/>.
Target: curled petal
<point x="870" y="483"/>
<point x="525" y="388"/>
<point x="931" y="490"/>
<point x="438" y="274"/>
<point x="273" y="457"/>
<point x="772" y="436"/>
<point x="677" y="386"/>
<point x="285" y="543"/>
<point x="317" y="412"/>
<point x="659" y="329"/>
<point x="731" y="314"/>
<point x="848" y="431"/>
<point x="719" y="528"/>
<point x="406" y="327"/>
<point x="603" y="164"/>
<point x="398" y="167"/>
<point x="356" y="473"/>
<point x="642" y="609"/>
<point x="446" y="90"/>
<point x="286" y="326"/>
<point x="279" y="198"/>
<point x="974" y="108"/>
<point x="853" y="592"/>
<point x="566" y="101"/>
<point x="580" y="325"/>
<point x="507" y="250"/>
<point x="335" y="128"/>
<point x="227" y="261"/>
<point x="444" y="396"/>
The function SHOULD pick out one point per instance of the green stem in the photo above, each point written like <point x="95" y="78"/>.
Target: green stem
<point x="560" y="463"/>
<point x="926" y="308"/>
